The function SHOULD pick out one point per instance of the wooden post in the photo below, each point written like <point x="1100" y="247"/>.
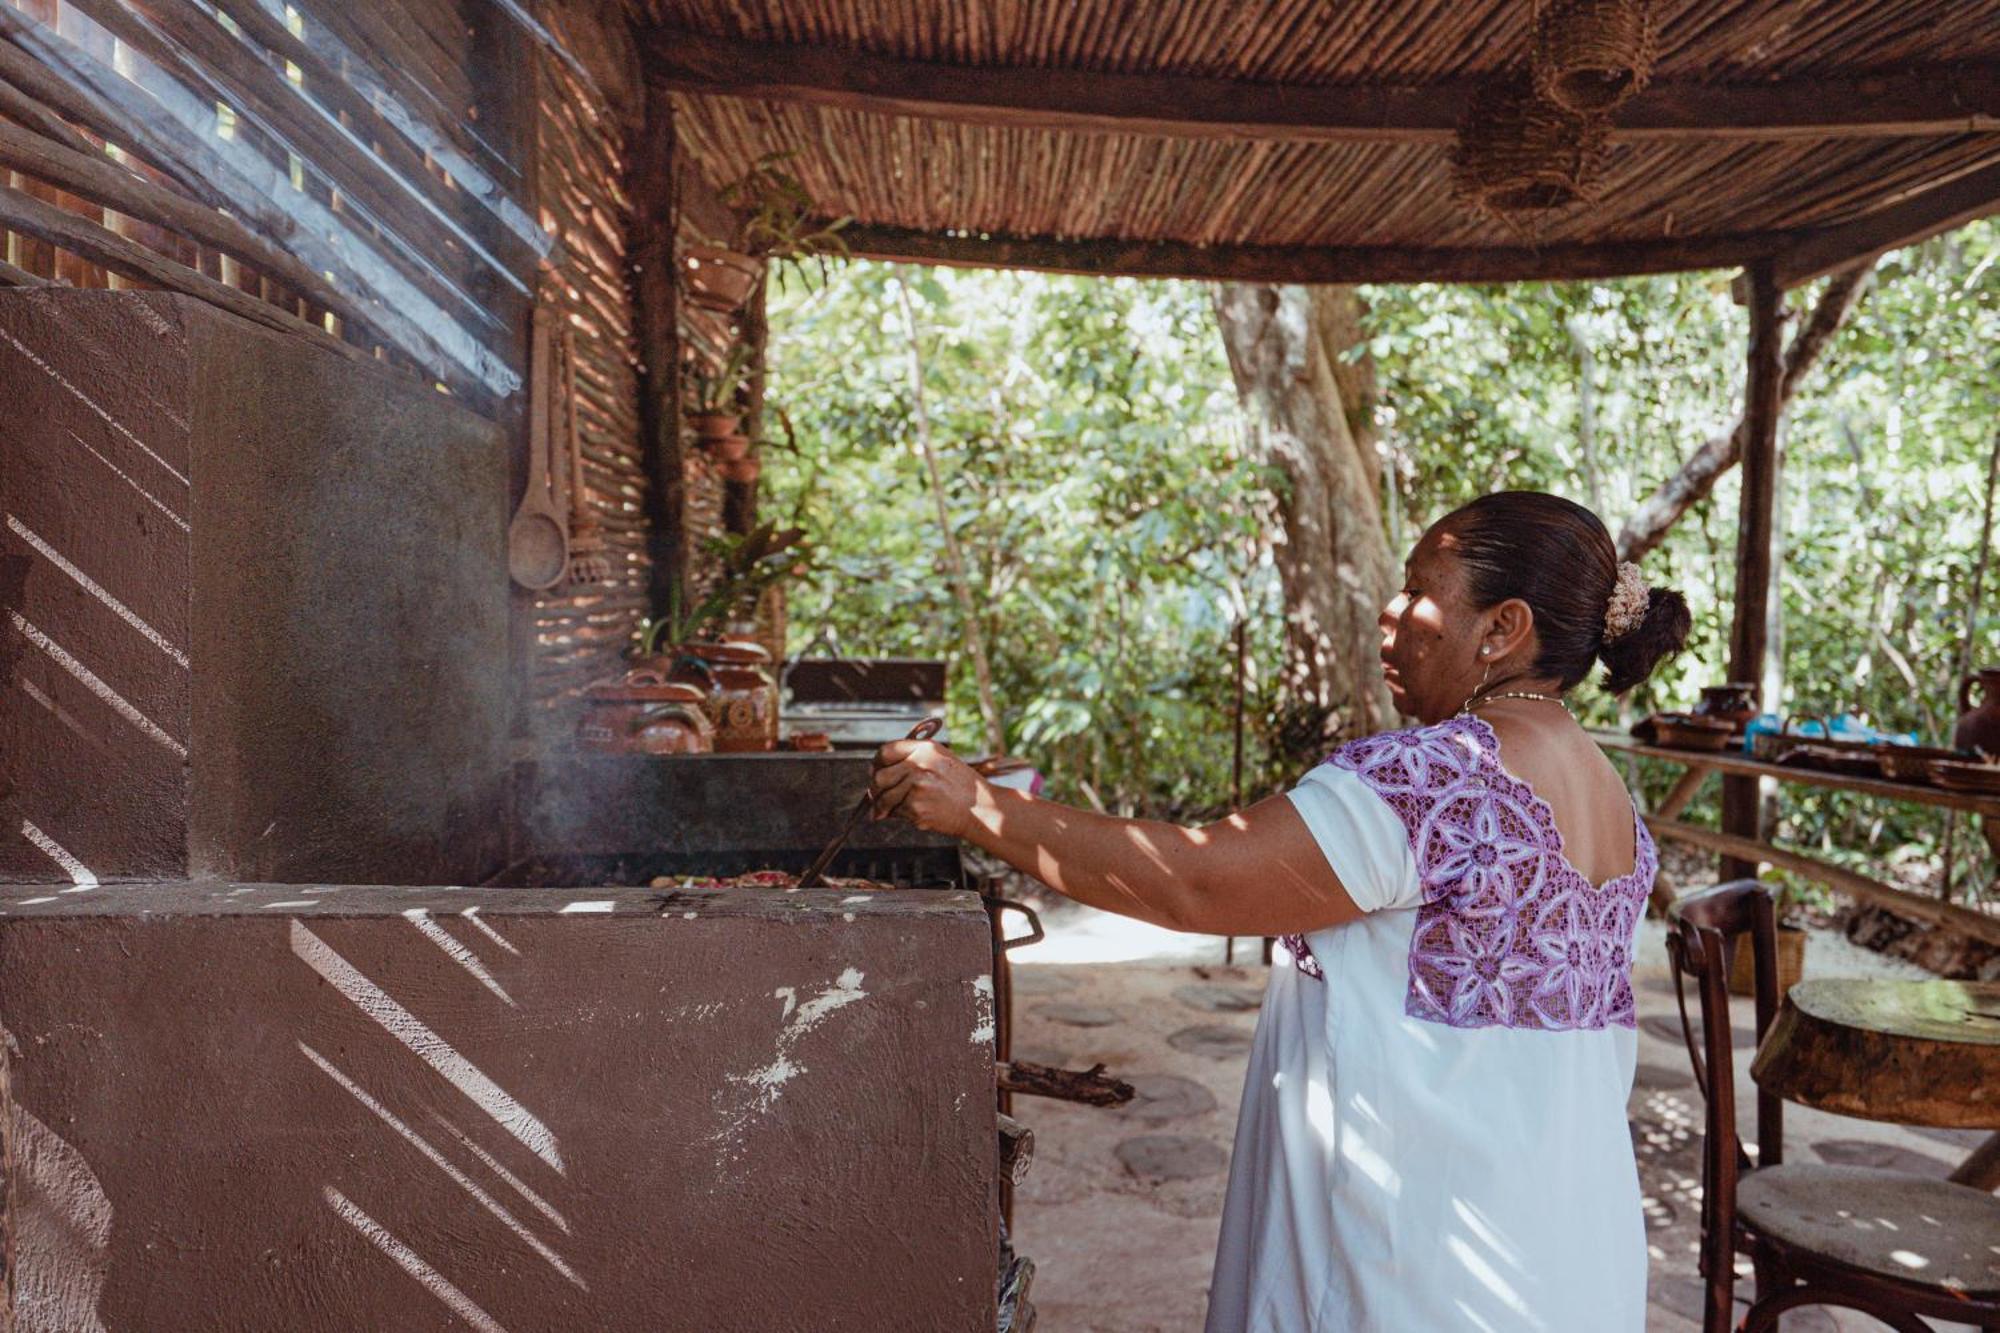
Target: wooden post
<point x="1748" y="635"/>
<point x="739" y="498"/>
<point x="655" y="213"/>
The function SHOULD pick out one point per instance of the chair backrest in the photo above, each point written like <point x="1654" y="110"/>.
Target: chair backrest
<point x="1705" y="929"/>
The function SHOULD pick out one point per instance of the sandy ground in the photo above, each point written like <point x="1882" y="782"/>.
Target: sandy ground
<point x="1121" y="1208"/>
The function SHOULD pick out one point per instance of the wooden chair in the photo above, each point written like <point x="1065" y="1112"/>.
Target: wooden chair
<point x="1886" y="1243"/>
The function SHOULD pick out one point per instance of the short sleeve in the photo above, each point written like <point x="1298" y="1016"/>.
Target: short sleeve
<point x="1361" y="837"/>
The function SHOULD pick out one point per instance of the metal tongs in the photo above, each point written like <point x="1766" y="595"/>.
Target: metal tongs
<point x="816" y="872"/>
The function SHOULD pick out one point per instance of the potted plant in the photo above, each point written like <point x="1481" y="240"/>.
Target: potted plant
<point x="779" y="224"/>
<point x="1794" y="900"/>
<point x="746" y="564"/>
<point x="713" y="409"/>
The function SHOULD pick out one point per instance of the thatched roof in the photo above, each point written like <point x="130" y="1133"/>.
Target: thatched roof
<point x="1309" y="139"/>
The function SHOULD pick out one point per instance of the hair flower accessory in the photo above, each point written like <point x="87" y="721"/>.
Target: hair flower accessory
<point x="1629" y="599"/>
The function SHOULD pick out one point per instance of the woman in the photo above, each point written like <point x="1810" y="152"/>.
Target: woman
<point x="1433" y="1127"/>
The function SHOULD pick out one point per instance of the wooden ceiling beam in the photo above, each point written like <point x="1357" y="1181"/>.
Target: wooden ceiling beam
<point x="1917" y="218"/>
<point x="1935" y="101"/>
<point x="1310" y="264"/>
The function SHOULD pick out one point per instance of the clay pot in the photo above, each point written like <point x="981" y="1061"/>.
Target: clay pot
<point x="644" y="713"/>
<point x="727" y="448"/>
<point x="1979" y="728"/>
<point x="740" y="469"/>
<point x="719" y="279"/>
<point x="1735" y="703"/>
<point x="715" y="425"/>
<point x="739" y="692"/>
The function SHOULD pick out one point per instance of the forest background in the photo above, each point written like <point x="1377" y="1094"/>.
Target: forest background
<point x="1114" y="508"/>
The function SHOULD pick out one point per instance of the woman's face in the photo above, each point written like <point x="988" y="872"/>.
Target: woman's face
<point x="1431" y="634"/>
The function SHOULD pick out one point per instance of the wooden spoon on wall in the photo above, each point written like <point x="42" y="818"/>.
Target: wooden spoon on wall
<point x="537" y="541"/>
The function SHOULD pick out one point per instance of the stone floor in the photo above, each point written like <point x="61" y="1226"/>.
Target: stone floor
<point x="1121" y="1209"/>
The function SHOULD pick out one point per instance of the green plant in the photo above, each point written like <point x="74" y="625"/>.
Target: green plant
<point x="717" y="393"/>
<point x="745" y="565"/>
<point x="781" y="223"/>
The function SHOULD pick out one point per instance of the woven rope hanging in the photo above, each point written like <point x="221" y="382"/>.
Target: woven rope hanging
<point x="1590" y="55"/>
<point x="1518" y="153"/>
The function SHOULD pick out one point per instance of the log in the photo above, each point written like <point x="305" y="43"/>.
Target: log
<point x="654" y="176"/>
<point x="20" y="277"/>
<point x="25" y="110"/>
<point x="1658" y="513"/>
<point x="1017" y="1149"/>
<point x="1838" y="878"/>
<point x="98" y="179"/>
<point x="24" y="213"/>
<point x="1909" y="1052"/>
<point x="1092" y="1086"/>
<point x="1310" y="264"/>
<point x="1924" y="101"/>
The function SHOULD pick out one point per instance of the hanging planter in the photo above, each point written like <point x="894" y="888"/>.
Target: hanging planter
<point x="727" y="448"/>
<point x="1590" y="55"/>
<point x="742" y="470"/>
<point x="719" y="279"/>
<point x="1518" y="153"/>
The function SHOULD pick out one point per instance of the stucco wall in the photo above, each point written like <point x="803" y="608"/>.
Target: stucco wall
<point x="303" y="1107"/>
<point x="257" y="602"/>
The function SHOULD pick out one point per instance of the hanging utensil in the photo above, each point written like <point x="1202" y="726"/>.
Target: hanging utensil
<point x="587" y="560"/>
<point x="537" y="543"/>
<point x="815" y="872"/>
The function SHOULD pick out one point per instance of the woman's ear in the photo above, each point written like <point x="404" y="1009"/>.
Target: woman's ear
<point x="1510" y="627"/>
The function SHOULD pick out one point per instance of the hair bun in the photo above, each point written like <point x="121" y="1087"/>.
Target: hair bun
<point x="1661" y="631"/>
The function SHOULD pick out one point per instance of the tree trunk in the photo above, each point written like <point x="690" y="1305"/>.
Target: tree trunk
<point x="1309" y="416"/>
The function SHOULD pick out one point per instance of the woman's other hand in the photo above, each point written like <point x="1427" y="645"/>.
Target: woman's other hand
<point x="927" y="785"/>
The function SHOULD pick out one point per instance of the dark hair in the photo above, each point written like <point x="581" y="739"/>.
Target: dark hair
<point x="1556" y="556"/>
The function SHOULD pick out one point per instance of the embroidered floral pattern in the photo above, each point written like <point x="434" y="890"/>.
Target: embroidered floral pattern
<point x="1509" y="932"/>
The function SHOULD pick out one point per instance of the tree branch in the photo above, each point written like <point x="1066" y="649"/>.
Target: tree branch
<point x="1658" y="512"/>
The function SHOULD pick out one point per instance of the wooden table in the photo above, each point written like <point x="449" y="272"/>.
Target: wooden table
<point x="1909" y="1052"/>
<point x="1665" y="822"/>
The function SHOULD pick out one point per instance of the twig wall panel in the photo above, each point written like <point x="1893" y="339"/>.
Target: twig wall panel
<point x="581" y="631"/>
<point x="342" y="163"/>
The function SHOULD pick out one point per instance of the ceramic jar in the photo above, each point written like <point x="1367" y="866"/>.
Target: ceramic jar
<point x="645" y="713"/>
<point x="740" y="692"/>
<point x="1979" y="727"/>
<point x="1734" y="703"/>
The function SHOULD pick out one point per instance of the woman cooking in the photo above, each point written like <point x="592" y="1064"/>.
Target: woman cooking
<point x="1433" y="1133"/>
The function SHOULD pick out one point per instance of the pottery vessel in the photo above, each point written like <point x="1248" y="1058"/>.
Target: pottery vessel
<point x="717" y="279"/>
<point x="644" y="713"/>
<point x="1734" y="703"/>
<point x="739" y="691"/>
<point x="1979" y="727"/>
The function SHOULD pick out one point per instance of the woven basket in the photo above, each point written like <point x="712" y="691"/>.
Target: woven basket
<point x="1590" y="55"/>
<point x="1518" y="153"/>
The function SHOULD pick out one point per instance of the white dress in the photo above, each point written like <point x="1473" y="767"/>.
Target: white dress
<point x="1433" y="1130"/>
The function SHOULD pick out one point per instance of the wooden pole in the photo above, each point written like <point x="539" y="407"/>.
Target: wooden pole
<point x="655" y="213"/>
<point x="1748" y="635"/>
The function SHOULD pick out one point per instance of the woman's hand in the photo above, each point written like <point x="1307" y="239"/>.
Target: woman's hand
<point x="926" y="784"/>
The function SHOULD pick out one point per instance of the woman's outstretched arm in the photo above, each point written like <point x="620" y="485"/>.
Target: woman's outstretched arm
<point x="1258" y="872"/>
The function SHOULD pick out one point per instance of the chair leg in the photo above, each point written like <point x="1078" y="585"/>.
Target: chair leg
<point x="1719" y="1312"/>
<point x="1763" y="1316"/>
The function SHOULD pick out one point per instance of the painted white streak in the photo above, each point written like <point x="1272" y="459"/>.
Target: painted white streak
<point x="472" y="914"/>
<point x="541" y="1205"/>
<point x="420" y="917"/>
<point x="601" y="905"/>
<point x="97" y="687"/>
<point x="91" y="403"/>
<point x="31" y="902"/>
<point x="426" y="1045"/>
<point x="126" y="477"/>
<point x="79" y="874"/>
<point x="90" y="585"/>
<point x="408" y="1260"/>
<point x="293" y="902"/>
<point x="442" y="1163"/>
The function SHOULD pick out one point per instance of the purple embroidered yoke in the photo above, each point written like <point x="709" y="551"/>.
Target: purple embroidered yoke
<point x="1509" y="933"/>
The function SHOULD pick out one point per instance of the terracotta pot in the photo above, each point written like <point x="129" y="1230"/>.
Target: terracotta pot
<point x="1734" y="703"/>
<point x="644" y="713"/>
<point x="740" y="469"/>
<point x="739" y="692"/>
<point x="727" y="448"/>
<point x="715" y="425"/>
<point x="719" y="279"/>
<point x="1979" y="728"/>
<point x="1791" y="963"/>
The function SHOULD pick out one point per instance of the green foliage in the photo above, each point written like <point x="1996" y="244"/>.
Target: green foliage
<point x="1097" y="473"/>
<point x="1096" y="477"/>
<point x="743" y="565"/>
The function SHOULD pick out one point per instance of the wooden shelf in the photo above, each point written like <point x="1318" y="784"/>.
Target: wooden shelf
<point x="1731" y="761"/>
